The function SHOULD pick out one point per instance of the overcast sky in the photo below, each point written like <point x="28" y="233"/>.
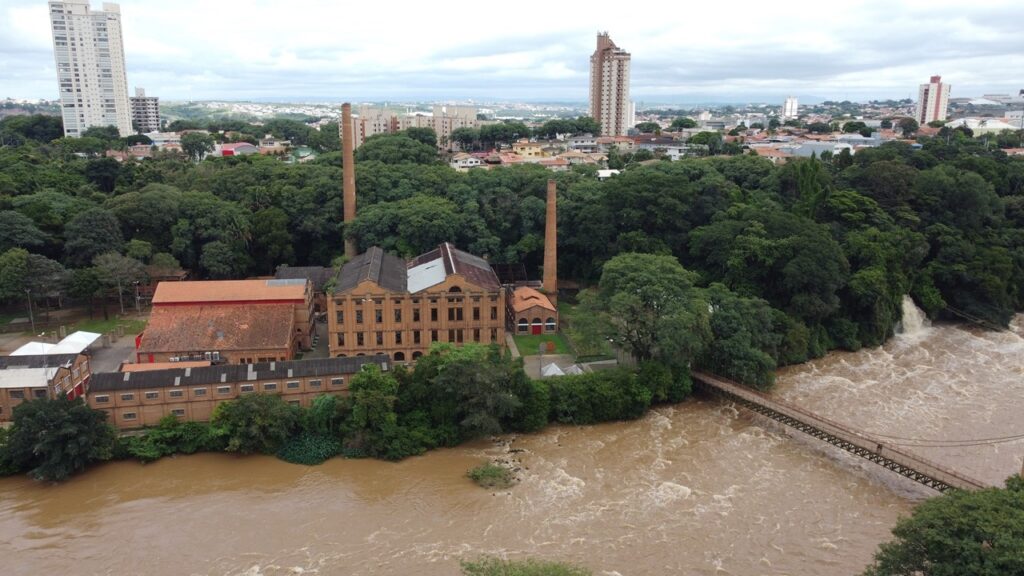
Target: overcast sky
<point x="726" y="51"/>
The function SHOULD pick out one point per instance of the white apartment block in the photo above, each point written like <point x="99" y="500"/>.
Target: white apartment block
<point x="89" y="53"/>
<point x="932" y="101"/>
<point x="789" y="109"/>
<point x="609" y="87"/>
<point x="145" y="111"/>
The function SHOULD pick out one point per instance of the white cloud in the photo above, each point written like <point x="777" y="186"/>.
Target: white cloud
<point x="538" y="50"/>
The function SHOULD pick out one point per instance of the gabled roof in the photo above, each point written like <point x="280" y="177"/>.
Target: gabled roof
<point x="73" y="343"/>
<point x="227" y="291"/>
<point x="377" y="266"/>
<point x="220" y="327"/>
<point x="524" y="298"/>
<point x="232" y="373"/>
<point x="432" y="268"/>
<point x="317" y="275"/>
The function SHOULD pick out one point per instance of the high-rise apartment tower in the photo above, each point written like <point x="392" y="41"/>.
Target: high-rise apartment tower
<point x="89" y="52"/>
<point x="609" y="87"/>
<point x="932" y="101"/>
<point x="145" y="111"/>
<point x="789" y="109"/>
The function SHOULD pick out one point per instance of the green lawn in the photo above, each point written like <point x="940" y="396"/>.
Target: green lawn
<point x="530" y="345"/>
<point x="132" y="326"/>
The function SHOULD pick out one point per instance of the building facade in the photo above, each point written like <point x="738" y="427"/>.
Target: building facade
<point x="232" y="321"/>
<point x="443" y="120"/>
<point x="142" y="398"/>
<point x="33" y="376"/>
<point x="932" y="101"/>
<point x="609" y="87"/>
<point x="790" y="108"/>
<point x="145" y="112"/>
<point x="384" y="304"/>
<point x="91" y="78"/>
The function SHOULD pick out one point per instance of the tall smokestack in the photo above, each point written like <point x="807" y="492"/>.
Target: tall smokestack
<point x="348" y="160"/>
<point x="551" y="246"/>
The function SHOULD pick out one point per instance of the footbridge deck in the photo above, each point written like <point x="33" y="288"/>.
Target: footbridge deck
<point x="841" y="435"/>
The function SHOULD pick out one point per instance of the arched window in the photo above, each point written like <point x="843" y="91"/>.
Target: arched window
<point x="549" y="324"/>
<point x="416" y="355"/>
<point x="341" y="356"/>
<point x="360" y="354"/>
<point x="399" y="356"/>
<point x="524" y="325"/>
<point x="535" y="322"/>
<point x="455" y="289"/>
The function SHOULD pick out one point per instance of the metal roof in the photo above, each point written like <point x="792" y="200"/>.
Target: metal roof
<point x="232" y="373"/>
<point x="375" y="265"/>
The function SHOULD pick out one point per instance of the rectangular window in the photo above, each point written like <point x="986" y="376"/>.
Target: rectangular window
<point x="39" y="393"/>
<point x="246" y="388"/>
<point x="494" y="312"/>
<point x="270" y="386"/>
<point x="314" y="384"/>
<point x="293" y="385"/>
<point x="16" y="394"/>
<point x="223" y="389"/>
<point x="416" y="337"/>
<point x="415" y="314"/>
<point x="398" y="337"/>
<point x="398" y="315"/>
<point x="199" y="391"/>
<point x="494" y="334"/>
<point x="127" y="397"/>
<point x="380" y="338"/>
<point x="341" y="339"/>
<point x="458" y="314"/>
<point x="476" y="312"/>
<point x="102" y="399"/>
<point x="340" y="317"/>
<point x="451" y="314"/>
<point x="176" y="393"/>
<point x="476" y="334"/>
<point x="360" y="339"/>
<point x="451" y="335"/>
<point x="152" y="395"/>
<point x="336" y="382"/>
<point x="128" y="416"/>
<point x="433" y="335"/>
<point x="433" y="314"/>
<point x="180" y="412"/>
<point x="378" y="316"/>
<point x="359" y="316"/>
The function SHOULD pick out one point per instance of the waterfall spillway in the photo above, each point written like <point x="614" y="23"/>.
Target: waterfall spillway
<point x="914" y="319"/>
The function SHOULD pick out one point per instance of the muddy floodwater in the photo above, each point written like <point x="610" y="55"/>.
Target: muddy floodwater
<point x="697" y="488"/>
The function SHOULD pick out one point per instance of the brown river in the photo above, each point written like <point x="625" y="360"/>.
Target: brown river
<point x="698" y="488"/>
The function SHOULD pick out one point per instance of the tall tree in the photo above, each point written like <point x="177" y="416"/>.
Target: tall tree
<point x="53" y="439"/>
<point x="196" y="145"/>
<point x="119" y="273"/>
<point x="19" y="231"/>
<point x="90" y="234"/>
<point x="272" y="242"/>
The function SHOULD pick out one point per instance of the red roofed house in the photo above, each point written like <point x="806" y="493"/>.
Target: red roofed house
<point x="533" y="312"/>
<point x="236" y="149"/>
<point x="235" y="321"/>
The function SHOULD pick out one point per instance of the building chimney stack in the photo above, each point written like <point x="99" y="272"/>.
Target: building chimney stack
<point x="551" y="246"/>
<point x="348" y="160"/>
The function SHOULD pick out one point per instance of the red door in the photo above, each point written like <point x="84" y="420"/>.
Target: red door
<point x="535" y="330"/>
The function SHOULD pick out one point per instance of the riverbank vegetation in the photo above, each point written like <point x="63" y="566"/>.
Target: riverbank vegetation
<point x="490" y="475"/>
<point x="979" y="532"/>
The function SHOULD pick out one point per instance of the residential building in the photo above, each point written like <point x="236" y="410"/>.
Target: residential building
<point x="234" y="321"/>
<point x="89" y="54"/>
<point x="235" y="149"/>
<point x="932" y="101"/>
<point x="443" y="120"/>
<point x="463" y="162"/>
<point x="609" y="87"/>
<point x="528" y="149"/>
<point x="138" y="398"/>
<point x="384" y="304"/>
<point x="789" y="108"/>
<point x="145" y="112"/>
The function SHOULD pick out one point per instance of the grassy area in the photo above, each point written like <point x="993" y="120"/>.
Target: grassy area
<point x="590" y="344"/>
<point x="530" y="345"/>
<point x="491" y="476"/>
<point x="132" y="326"/>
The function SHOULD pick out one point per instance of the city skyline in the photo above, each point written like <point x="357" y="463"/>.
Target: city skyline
<point x="865" y="51"/>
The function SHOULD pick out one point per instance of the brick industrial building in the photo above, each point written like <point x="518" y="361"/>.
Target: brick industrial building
<point x="234" y="321"/>
<point x="43" y="370"/>
<point x="383" y="304"/>
<point x="141" y="398"/>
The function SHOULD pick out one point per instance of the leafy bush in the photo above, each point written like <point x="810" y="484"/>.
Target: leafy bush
<point x="309" y="449"/>
<point x="491" y="476"/>
<point x="598" y="397"/>
<point x="53" y="439"/>
<point x="490" y="566"/>
<point x="169" y="437"/>
<point x="255" y="423"/>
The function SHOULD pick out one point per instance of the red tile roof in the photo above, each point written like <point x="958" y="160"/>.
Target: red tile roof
<point x="227" y="291"/>
<point x="218" y="328"/>
<point x="525" y="298"/>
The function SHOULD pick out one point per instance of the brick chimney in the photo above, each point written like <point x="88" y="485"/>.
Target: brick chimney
<point x="551" y="246"/>
<point x="348" y="160"/>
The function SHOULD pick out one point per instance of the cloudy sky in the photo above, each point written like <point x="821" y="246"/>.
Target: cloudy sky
<point x="310" y="50"/>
